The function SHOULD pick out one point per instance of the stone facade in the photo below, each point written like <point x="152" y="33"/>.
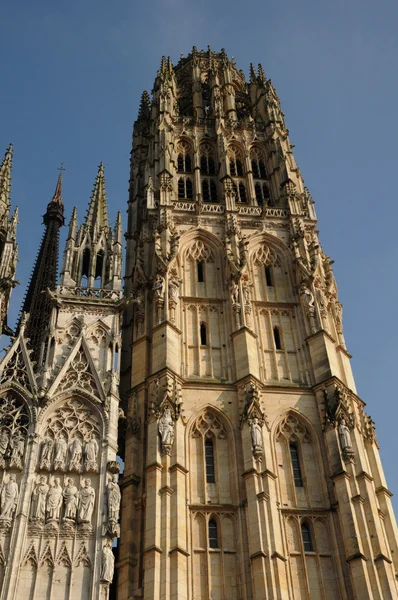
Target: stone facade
<point x="59" y="492"/>
<point x="251" y="467"/>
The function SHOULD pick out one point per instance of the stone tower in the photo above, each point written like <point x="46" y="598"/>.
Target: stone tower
<point x="8" y="245"/>
<point x="59" y="494"/>
<point x="251" y="467"/>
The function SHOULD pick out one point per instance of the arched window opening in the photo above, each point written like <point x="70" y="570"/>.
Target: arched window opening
<point x="209" y="459"/>
<point x="295" y="458"/>
<point x="203" y="334"/>
<point x="240" y="192"/>
<point x="268" y="276"/>
<point x="213" y="535"/>
<point x="116" y="358"/>
<point x="185" y="188"/>
<point x="99" y="263"/>
<point x="306" y="535"/>
<point x="209" y="191"/>
<point x="207" y="165"/>
<point x="235" y="163"/>
<point x="85" y="266"/>
<point x="184" y="160"/>
<point x="277" y="338"/>
<point x="200" y="268"/>
<point x="262" y="193"/>
<point x="258" y="168"/>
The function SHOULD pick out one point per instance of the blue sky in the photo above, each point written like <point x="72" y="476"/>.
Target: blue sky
<point x="71" y="78"/>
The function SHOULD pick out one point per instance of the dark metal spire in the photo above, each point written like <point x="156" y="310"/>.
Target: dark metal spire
<point x="44" y="275"/>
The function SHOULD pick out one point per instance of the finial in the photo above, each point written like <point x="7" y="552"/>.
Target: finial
<point x="144" y="111"/>
<point x="261" y="74"/>
<point x="253" y="76"/>
<point x="57" y="198"/>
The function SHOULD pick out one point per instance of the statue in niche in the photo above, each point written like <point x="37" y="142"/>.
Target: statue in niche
<point x="108" y="564"/>
<point x="158" y="288"/>
<point x="234" y="292"/>
<point x="54" y="501"/>
<point x="246" y="292"/>
<point x="17" y="444"/>
<point x="39" y="497"/>
<point x="9" y="498"/>
<point x="76" y="452"/>
<point x="91" y="451"/>
<point x="345" y="439"/>
<point x="255" y="432"/>
<point x="166" y="430"/>
<point x="114" y="497"/>
<point x="174" y="286"/>
<point x="86" y="502"/>
<point x="4" y="439"/>
<point x="61" y="450"/>
<point x="70" y="496"/>
<point x="46" y="454"/>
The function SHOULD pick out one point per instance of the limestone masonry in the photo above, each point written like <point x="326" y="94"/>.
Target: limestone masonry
<point x="251" y="469"/>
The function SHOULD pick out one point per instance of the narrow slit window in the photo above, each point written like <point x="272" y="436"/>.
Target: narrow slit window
<point x="294" y="456"/>
<point x="277" y="338"/>
<point x="203" y="334"/>
<point x="268" y="276"/>
<point x="213" y="535"/>
<point x="200" y="267"/>
<point x="209" y="458"/>
<point x="242" y="193"/>
<point x="306" y="535"/>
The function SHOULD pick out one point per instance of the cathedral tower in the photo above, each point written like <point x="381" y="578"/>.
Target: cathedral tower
<point x="8" y="245"/>
<point x="251" y="467"/>
<point x="59" y="492"/>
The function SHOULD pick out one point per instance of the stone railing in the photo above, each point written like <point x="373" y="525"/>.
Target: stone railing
<point x="213" y="208"/>
<point x="84" y="292"/>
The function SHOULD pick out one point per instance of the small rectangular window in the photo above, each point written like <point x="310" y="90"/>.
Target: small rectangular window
<point x="306" y="535"/>
<point x="277" y="338"/>
<point x="294" y="455"/>
<point x="209" y="459"/>
<point x="200" y="271"/>
<point x="268" y="276"/>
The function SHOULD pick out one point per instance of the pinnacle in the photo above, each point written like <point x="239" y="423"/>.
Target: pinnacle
<point x="5" y="176"/>
<point x="97" y="215"/>
<point x="57" y="198"/>
<point x="145" y="106"/>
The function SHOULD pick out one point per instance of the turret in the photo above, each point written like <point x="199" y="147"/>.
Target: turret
<point x="89" y="260"/>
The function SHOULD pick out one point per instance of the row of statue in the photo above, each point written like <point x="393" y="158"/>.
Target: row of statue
<point x="75" y="457"/>
<point x="48" y="501"/>
<point x="12" y="448"/>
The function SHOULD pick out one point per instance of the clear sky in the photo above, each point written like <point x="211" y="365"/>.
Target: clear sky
<point x="71" y="78"/>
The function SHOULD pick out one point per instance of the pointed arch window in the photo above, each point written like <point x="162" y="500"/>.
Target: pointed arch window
<point x="213" y="534"/>
<point x="86" y="259"/>
<point x="207" y="160"/>
<point x="235" y="160"/>
<point x="209" y="190"/>
<point x="240" y="192"/>
<point x="262" y="193"/>
<point x="306" y="536"/>
<point x="277" y="338"/>
<point x="258" y="168"/>
<point x="200" y="269"/>
<point x="268" y="276"/>
<point x="185" y="188"/>
<point x="209" y="460"/>
<point x="203" y="334"/>
<point x="184" y="158"/>
<point x="295" y="458"/>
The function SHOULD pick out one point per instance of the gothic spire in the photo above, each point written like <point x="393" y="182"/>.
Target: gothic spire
<point x="144" y="111"/>
<point x="97" y="214"/>
<point x="5" y="180"/>
<point x="73" y="224"/>
<point x="37" y="302"/>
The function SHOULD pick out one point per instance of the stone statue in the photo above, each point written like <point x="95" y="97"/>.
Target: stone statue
<point x="255" y="431"/>
<point x="9" y="498"/>
<point x="344" y="435"/>
<point x="70" y="500"/>
<point x="76" y="451"/>
<point x="246" y="292"/>
<point x="54" y="501"/>
<point x="61" y="450"/>
<point x="18" y="449"/>
<point x="166" y="430"/>
<point x="91" y="451"/>
<point x="39" y="497"/>
<point x="158" y="288"/>
<point x="86" y="502"/>
<point x="108" y="564"/>
<point x="114" y="497"/>
<point x="174" y="286"/>
<point x="3" y="442"/>
<point x="46" y="453"/>
<point x="234" y="292"/>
